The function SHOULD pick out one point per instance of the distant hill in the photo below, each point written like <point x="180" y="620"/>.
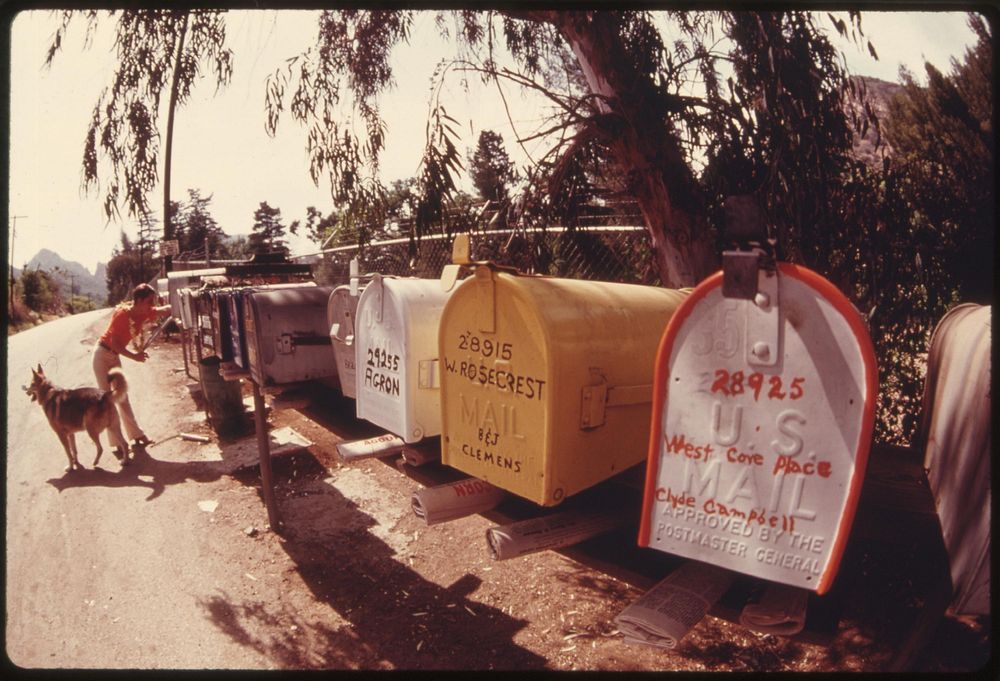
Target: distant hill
<point x="73" y="275"/>
<point x="878" y="93"/>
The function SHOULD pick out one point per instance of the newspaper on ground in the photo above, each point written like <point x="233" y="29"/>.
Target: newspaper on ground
<point x="781" y="611"/>
<point x="558" y="530"/>
<point x="664" y="614"/>
<point x="453" y="500"/>
<point x="379" y="446"/>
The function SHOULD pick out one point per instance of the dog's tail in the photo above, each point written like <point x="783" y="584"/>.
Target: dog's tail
<point x="118" y="384"/>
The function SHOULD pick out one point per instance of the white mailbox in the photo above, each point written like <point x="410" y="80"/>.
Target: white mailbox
<point x="286" y="335"/>
<point x="185" y="308"/>
<point x="396" y="339"/>
<point x="763" y="407"/>
<point x="341" y="311"/>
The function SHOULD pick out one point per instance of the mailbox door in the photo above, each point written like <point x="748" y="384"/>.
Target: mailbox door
<point x="762" y="418"/>
<point x="186" y="308"/>
<point x="555" y="375"/>
<point x="237" y="328"/>
<point x="286" y="328"/>
<point x="396" y="335"/>
<point x="495" y="384"/>
<point x="221" y="326"/>
<point x="203" y="320"/>
<point x="342" y="309"/>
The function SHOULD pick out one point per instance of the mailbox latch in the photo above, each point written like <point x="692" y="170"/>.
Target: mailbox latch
<point x="485" y="299"/>
<point x="596" y="398"/>
<point x="428" y="374"/>
<point x="287" y="342"/>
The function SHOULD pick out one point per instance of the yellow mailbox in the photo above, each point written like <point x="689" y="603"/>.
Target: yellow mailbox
<point x="546" y="383"/>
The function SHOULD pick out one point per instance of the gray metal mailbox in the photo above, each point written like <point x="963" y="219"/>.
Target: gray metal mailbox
<point x="286" y="335"/>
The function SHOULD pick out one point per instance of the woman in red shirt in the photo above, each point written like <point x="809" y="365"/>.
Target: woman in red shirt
<point x="126" y="326"/>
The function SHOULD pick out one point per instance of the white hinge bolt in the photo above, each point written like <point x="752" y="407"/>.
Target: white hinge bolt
<point x="762" y="300"/>
<point x="761" y="350"/>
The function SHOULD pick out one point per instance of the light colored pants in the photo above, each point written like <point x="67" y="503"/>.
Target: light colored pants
<point x="104" y="361"/>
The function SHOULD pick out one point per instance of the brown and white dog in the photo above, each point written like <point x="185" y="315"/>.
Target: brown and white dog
<point x="89" y="409"/>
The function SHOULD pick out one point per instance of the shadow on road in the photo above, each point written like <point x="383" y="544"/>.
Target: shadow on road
<point x="143" y="471"/>
<point x="388" y="615"/>
<point x="394" y="617"/>
<point x="154" y="474"/>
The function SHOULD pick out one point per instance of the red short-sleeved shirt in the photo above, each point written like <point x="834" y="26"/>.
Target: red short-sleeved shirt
<point x="120" y="328"/>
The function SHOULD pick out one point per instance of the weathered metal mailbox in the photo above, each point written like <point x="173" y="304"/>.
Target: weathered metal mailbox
<point x="237" y="324"/>
<point x="286" y="336"/>
<point x="762" y="417"/>
<point x="955" y="429"/>
<point x="202" y="304"/>
<point x="397" y="355"/>
<point x="341" y="311"/>
<point x="221" y="324"/>
<point x="237" y="327"/>
<point x="190" y="279"/>
<point x="546" y="383"/>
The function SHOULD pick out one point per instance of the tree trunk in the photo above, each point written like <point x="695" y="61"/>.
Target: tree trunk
<point x="168" y="227"/>
<point x="646" y="148"/>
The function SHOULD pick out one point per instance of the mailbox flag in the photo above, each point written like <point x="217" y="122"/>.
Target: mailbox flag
<point x="762" y="419"/>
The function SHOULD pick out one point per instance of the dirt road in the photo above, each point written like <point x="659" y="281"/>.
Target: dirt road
<point x="169" y="562"/>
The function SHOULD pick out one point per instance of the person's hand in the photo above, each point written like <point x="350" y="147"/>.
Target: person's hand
<point x="140" y="356"/>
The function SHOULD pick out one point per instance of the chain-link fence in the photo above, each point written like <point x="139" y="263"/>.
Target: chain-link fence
<point x="617" y="254"/>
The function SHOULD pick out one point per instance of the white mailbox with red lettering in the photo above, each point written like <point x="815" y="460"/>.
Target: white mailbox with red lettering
<point x="763" y="409"/>
<point x="396" y="345"/>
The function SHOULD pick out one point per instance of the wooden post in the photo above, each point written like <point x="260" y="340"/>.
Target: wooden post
<point x="264" y="452"/>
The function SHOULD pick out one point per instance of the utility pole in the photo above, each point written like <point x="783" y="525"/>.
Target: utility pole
<point x="13" y="228"/>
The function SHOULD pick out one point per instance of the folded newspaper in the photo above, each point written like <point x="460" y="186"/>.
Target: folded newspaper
<point x="455" y="500"/>
<point x="549" y="532"/>
<point x="664" y="614"/>
<point x="379" y="446"/>
<point x="781" y="611"/>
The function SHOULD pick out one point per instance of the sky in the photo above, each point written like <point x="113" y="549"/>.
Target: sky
<point x="222" y="149"/>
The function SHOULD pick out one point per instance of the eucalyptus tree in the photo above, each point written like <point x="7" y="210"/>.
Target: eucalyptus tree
<point x="620" y="90"/>
<point x="641" y="89"/>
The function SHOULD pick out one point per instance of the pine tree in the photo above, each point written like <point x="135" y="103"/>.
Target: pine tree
<point x="268" y="232"/>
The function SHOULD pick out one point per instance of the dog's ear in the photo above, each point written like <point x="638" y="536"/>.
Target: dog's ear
<point x="40" y="372"/>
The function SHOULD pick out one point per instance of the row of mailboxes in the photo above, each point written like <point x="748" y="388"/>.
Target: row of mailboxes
<point x="529" y="379"/>
<point x="276" y="334"/>
<point x="545" y="387"/>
